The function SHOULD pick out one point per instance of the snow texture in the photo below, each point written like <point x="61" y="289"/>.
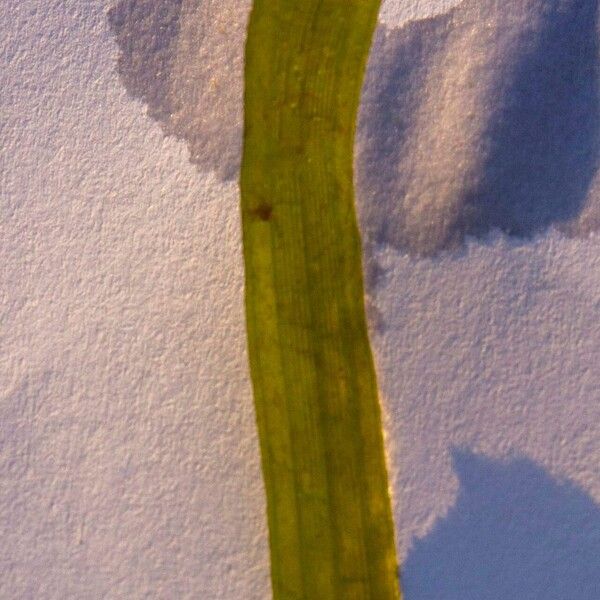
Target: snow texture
<point x="487" y="117"/>
<point x="129" y="463"/>
<point x="185" y="60"/>
<point x="128" y="455"/>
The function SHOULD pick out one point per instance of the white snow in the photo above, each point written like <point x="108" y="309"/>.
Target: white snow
<point x="395" y="13"/>
<point x="128" y="456"/>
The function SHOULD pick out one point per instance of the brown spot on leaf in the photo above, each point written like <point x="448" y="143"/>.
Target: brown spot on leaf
<point x="263" y="211"/>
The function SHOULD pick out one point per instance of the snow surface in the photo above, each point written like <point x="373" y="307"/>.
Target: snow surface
<point x="128" y="455"/>
<point x="395" y="13"/>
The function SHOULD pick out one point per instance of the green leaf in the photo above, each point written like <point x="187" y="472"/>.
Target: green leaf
<point x="318" y="414"/>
